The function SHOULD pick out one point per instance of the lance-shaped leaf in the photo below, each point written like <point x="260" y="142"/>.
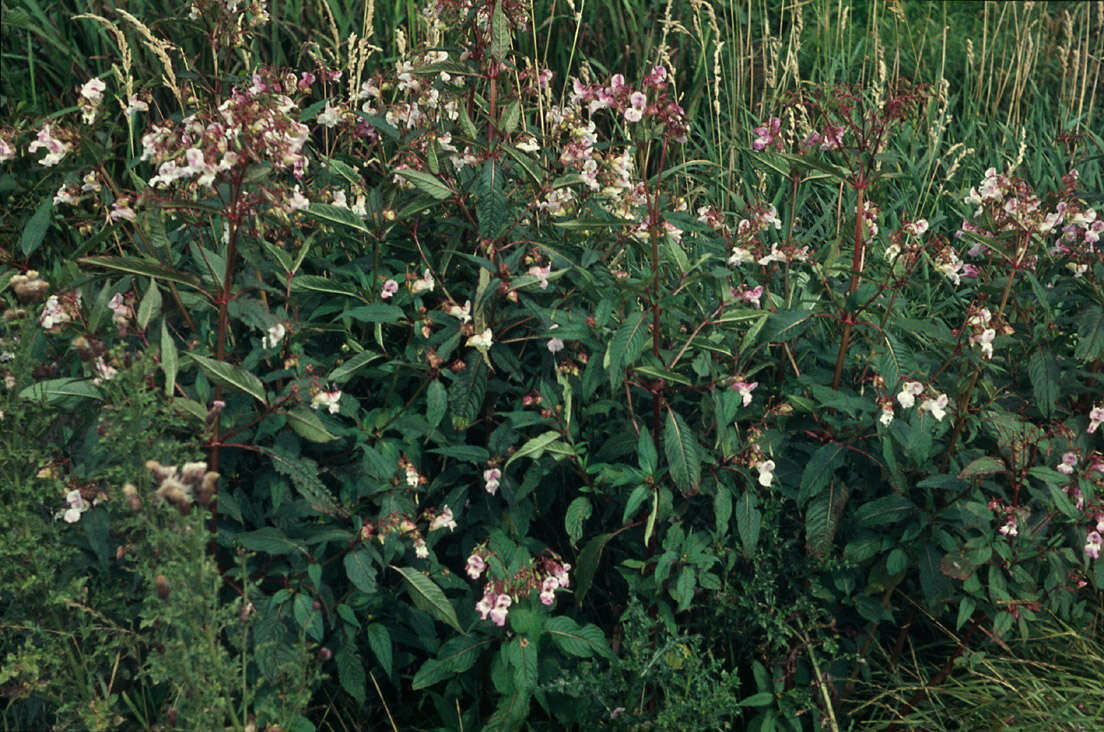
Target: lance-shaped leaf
<point x="535" y="447"/>
<point x="232" y="375"/>
<point x="429" y="597"/>
<point x="682" y="453"/>
<point x="143" y="267"/>
<point x="426" y="183"/>
<point x="337" y="215"/>
<point x="308" y="425"/>
<point x="54" y="389"/>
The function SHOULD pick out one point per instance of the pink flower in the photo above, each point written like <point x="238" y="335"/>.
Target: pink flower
<point x="328" y="399"/>
<point x="766" y="135"/>
<point x="936" y="406"/>
<point x="1069" y="460"/>
<point x="500" y="609"/>
<point x="491" y="478"/>
<point x="745" y="390"/>
<point x="444" y="520"/>
<point x="1009" y="528"/>
<point x="389" y="289"/>
<point x="548" y="590"/>
<point x="1096" y="417"/>
<point x="1093" y="543"/>
<point x="475" y="566"/>
<point x="909" y="392"/>
<point x="541" y="273"/>
<point x="752" y="296"/>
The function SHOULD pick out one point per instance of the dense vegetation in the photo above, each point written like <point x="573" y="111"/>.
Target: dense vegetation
<point x="551" y="364"/>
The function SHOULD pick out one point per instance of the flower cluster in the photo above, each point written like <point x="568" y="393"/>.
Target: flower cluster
<point x="545" y="575"/>
<point x="935" y="402"/>
<point x="191" y="483"/>
<point x="405" y="527"/>
<point x="29" y="287"/>
<point x="60" y="309"/>
<point x="91" y="96"/>
<point x="56" y="147"/>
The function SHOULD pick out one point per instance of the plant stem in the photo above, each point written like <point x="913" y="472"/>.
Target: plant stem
<point x="856" y="272"/>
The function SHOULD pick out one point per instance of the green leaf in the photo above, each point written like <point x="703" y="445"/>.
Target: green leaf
<point x="984" y="465"/>
<point x="681" y="448"/>
<point x="819" y="470"/>
<point x="308" y="425"/>
<point x="429" y="597"/>
<point x="269" y="540"/>
<point x="466" y="394"/>
<point x="886" y="510"/>
<point x="170" y="361"/>
<point x="35" y="229"/>
<point x="379" y="640"/>
<point x="467" y="453"/>
<point x="345" y="371"/>
<point x="639" y="494"/>
<point x="150" y="306"/>
<point x="722" y="509"/>
<point x="500" y="33"/>
<point x="53" y="390"/>
<point x="897" y="561"/>
<point x="232" y="375"/>
<point x="436" y="402"/>
<point x="376" y="314"/>
<point x="522" y="654"/>
<point x="307" y="617"/>
<point x="304" y="475"/>
<point x="143" y="267"/>
<point x="314" y="283"/>
<point x="350" y="671"/>
<point x="662" y="374"/>
<point x="577" y="514"/>
<point x="426" y="183"/>
<point x="785" y="325"/>
<point x="762" y="699"/>
<point x="361" y="570"/>
<point x="627" y="345"/>
<point x="535" y="447"/>
<point x="567" y="636"/>
<point x="491" y="208"/>
<point x="587" y="564"/>
<point x="683" y="591"/>
<point x="749" y="520"/>
<point x="646" y="456"/>
<point x="338" y="215"/>
<point x="1090" y="335"/>
<point x="432" y="672"/>
<point x="510" y="117"/>
<point x="1042" y="368"/>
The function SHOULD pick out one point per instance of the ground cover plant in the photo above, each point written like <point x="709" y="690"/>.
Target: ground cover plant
<point x="459" y="366"/>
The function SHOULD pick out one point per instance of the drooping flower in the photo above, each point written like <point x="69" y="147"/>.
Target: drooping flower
<point x="274" y="335"/>
<point x="548" y="590"/>
<point x="491" y="478"/>
<point x="475" y="566"/>
<point x="443" y="520"/>
<point x="936" y="406"/>
<point x="887" y="413"/>
<point x="745" y="389"/>
<point x="389" y="289"/>
<point x="482" y="341"/>
<point x="766" y="472"/>
<point x="461" y="313"/>
<point x="1096" y="417"/>
<point x="909" y="392"/>
<point x="1093" y="543"/>
<point x="1069" y="460"/>
<point x="1009" y="527"/>
<point x="425" y="284"/>
<point x="328" y="399"/>
<point x="501" y="608"/>
<point x="77" y="506"/>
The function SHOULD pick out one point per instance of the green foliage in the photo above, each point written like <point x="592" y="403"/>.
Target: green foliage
<point x="514" y="412"/>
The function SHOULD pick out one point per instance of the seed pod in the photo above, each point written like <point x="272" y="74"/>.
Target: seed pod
<point x="161" y="583"/>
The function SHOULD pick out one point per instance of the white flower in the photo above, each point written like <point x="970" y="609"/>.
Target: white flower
<point x="475" y="566"/>
<point x="909" y="392"/>
<point x="936" y="406"/>
<point x="134" y="105"/>
<point x="1096" y="415"/>
<point x="330" y="116"/>
<point x="275" y="335"/>
<point x="462" y="313"/>
<point x="420" y="549"/>
<point x="298" y="201"/>
<point x="555" y="345"/>
<point x="766" y="472"/>
<point x="490" y="478"/>
<point x="528" y="144"/>
<point x="425" y="284"/>
<point x="740" y="256"/>
<point x="328" y="399"/>
<point x="1069" y="460"/>
<point x="887" y="413"/>
<point x="1009" y="528"/>
<point x="93" y="90"/>
<point x="482" y="341"/>
<point x="745" y="390"/>
<point x="77" y="506"/>
<point x="443" y="521"/>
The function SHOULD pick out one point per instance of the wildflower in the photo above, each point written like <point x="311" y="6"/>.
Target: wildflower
<point x="443" y="520"/>
<point x="541" y="273"/>
<point x="55" y="148"/>
<point x="275" y="334"/>
<point x="765" y="135"/>
<point x="330" y="116"/>
<point x="328" y="399"/>
<point x="121" y="211"/>
<point x="7" y="152"/>
<point x="909" y="392"/>
<point x="501" y="608"/>
<point x="1069" y="459"/>
<point x="528" y="144"/>
<point x="745" y="389"/>
<point x="420" y="549"/>
<point x="53" y="314"/>
<point x="77" y="506"/>
<point x="887" y="413"/>
<point x="555" y="345"/>
<point x="389" y="289"/>
<point x="766" y="472"/>
<point x="482" y="341"/>
<point x="752" y="296"/>
<point x="105" y="371"/>
<point x="916" y="228"/>
<point x="1096" y="417"/>
<point x="134" y="105"/>
<point x="298" y="201"/>
<point x="936" y="406"/>
<point x="1093" y="543"/>
<point x="412" y="477"/>
<point x="463" y="314"/>
<point x="475" y="566"/>
<point x="548" y="589"/>
<point x="985" y="340"/>
<point x="65" y="195"/>
<point x="740" y="256"/>
<point x="425" y="284"/>
<point x="491" y="478"/>
<point x="1009" y="528"/>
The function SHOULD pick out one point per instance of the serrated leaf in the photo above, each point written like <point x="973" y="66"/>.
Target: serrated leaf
<point x="376" y="313"/>
<point x="984" y="465"/>
<point x="587" y="564"/>
<point x="338" y="215"/>
<point x="511" y="115"/>
<point x="785" y="325"/>
<point x="350" y="671"/>
<point x="500" y="33"/>
<point x="1090" y="335"/>
<point x="646" y="456"/>
<point x="683" y="591"/>
<point x="150" y="306"/>
<point x="535" y="447"/>
<point x="361" y="570"/>
<point x="1042" y="369"/>
<point x="52" y="390"/>
<point x="491" y="203"/>
<point x="627" y="345"/>
<point x="577" y="513"/>
<point x="143" y="267"/>
<point x="379" y="640"/>
<point x="636" y="499"/>
<point x="432" y="672"/>
<point x="307" y="424"/>
<point x="304" y="476"/>
<point x="170" y="361"/>
<point x="567" y="636"/>
<point x="426" y="183"/>
<point x="522" y="655"/>
<point x="429" y="597"/>
<point x="436" y="402"/>
<point x="662" y="374"/>
<point x="270" y="540"/>
<point x="307" y="617"/>
<point x="885" y="510"/>
<point x="722" y="509"/>
<point x="35" y="229"/>
<point x="467" y="453"/>
<point x="232" y="375"/>
<point x="345" y="371"/>
<point x="681" y="448"/>
<point x="314" y="283"/>
<point x="466" y="393"/>
<point x="749" y="521"/>
<point x="819" y="470"/>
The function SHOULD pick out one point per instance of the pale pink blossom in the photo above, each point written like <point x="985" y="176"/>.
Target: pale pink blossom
<point x="936" y="406"/>
<point x="745" y="389"/>
<point x="491" y="478"/>
<point x="328" y="399"/>
<point x="909" y="392"/>
<point x="389" y="289"/>
<point x="1096" y="417"/>
<point x="482" y="341"/>
<point x="443" y="520"/>
<point x="1069" y="460"/>
<point x="475" y="566"/>
<point x="1093" y="543"/>
<point x="766" y="472"/>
